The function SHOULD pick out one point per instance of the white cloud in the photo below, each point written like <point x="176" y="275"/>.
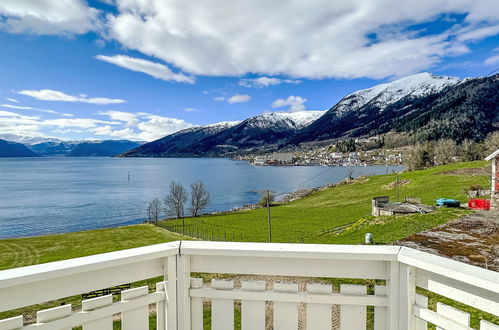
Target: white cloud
<point x="311" y="39"/>
<point x="52" y="95"/>
<point x="48" y="16"/>
<point x="492" y="60"/>
<point x="266" y="82"/>
<point x="219" y="99"/>
<point x="124" y="125"/>
<point x="156" y="70"/>
<point x="295" y="103"/>
<point x="140" y="126"/>
<point x="12" y="100"/>
<point x="191" y="110"/>
<point x="238" y="98"/>
<point x="130" y="119"/>
<point x="11" y="106"/>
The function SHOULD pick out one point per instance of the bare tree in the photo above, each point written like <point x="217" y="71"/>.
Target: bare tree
<point x="200" y="198"/>
<point x="175" y="200"/>
<point x="446" y="151"/>
<point x="153" y="210"/>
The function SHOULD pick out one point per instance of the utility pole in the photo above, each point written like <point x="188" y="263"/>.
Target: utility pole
<point x="398" y="188"/>
<point x="268" y="216"/>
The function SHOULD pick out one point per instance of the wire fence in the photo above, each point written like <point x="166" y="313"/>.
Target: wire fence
<point x="206" y="232"/>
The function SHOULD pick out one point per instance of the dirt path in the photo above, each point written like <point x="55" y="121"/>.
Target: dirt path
<point x="473" y="239"/>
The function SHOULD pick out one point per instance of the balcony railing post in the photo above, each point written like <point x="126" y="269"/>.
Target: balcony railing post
<point x="171" y="304"/>
<point x="407" y="297"/>
<point x="392" y="285"/>
<point x="183" y="286"/>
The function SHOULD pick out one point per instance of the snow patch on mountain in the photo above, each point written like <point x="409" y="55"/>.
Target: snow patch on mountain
<point x="385" y="94"/>
<point x="284" y="120"/>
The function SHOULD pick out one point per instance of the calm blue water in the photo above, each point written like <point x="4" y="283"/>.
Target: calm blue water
<point x="55" y="195"/>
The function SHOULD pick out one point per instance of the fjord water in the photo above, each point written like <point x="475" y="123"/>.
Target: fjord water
<point x="56" y="195"/>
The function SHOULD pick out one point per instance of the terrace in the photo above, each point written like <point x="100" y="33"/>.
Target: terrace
<point x="259" y="286"/>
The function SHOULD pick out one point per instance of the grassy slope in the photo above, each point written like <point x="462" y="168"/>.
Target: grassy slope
<point x="323" y="216"/>
<point x="34" y="250"/>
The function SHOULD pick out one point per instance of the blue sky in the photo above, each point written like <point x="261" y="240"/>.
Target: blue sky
<point x="142" y="69"/>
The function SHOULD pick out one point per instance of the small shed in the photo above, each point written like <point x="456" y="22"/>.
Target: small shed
<point x="382" y="206"/>
<point x="494" y="198"/>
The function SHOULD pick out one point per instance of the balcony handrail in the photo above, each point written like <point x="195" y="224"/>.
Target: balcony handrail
<point x="403" y="268"/>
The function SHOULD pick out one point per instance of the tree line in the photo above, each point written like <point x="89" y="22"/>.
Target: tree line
<point x="445" y="151"/>
<point x="174" y="203"/>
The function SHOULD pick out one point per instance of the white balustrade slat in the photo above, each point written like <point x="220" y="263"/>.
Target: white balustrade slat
<point x="464" y="292"/>
<point x="285" y="313"/>
<point x="484" y="325"/>
<point x="353" y="317"/>
<point x="196" y="306"/>
<point x="52" y="314"/>
<point x="454" y="314"/>
<point x="253" y="312"/>
<point x="138" y="318"/>
<point x="380" y="313"/>
<point x="105" y="323"/>
<point x="222" y="310"/>
<point x="319" y="315"/>
<point x="11" y="323"/>
<point x="438" y="320"/>
<point x="421" y="301"/>
<point x="161" y="307"/>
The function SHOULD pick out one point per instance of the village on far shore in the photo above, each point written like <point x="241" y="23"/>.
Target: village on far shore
<point x="329" y="155"/>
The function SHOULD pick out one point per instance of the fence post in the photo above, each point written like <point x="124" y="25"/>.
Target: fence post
<point x="407" y="297"/>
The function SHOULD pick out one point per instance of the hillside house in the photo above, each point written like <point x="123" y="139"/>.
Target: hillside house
<point x="494" y="195"/>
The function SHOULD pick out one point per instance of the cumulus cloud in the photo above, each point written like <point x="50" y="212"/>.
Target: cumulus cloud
<point x="116" y="124"/>
<point x="310" y="39"/>
<point x="219" y="99"/>
<point x="140" y="126"/>
<point x="238" y="98"/>
<point x="48" y="16"/>
<point x="295" y="103"/>
<point x="156" y="70"/>
<point x="52" y="95"/>
<point x="12" y="106"/>
<point x="266" y="82"/>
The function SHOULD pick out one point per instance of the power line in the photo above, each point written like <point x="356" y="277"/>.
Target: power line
<point x="308" y="180"/>
<point x="490" y="73"/>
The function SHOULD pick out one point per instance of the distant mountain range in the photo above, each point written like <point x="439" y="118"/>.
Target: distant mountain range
<point x="265" y="131"/>
<point x="40" y="147"/>
<point x="425" y="106"/>
<point x="14" y="149"/>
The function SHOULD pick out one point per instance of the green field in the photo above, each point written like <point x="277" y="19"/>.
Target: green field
<point x="342" y="214"/>
<point x="20" y="252"/>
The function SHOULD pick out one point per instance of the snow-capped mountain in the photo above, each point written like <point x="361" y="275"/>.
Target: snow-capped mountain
<point x="225" y="137"/>
<point x="27" y="140"/>
<point x="380" y="96"/>
<point x="177" y="144"/>
<point x="424" y="106"/>
<point x="284" y="120"/>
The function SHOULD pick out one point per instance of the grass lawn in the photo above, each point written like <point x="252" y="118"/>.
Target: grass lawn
<point x="20" y="252"/>
<point x="342" y="214"/>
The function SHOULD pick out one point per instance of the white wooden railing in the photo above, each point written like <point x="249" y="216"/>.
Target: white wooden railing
<point x="180" y="299"/>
